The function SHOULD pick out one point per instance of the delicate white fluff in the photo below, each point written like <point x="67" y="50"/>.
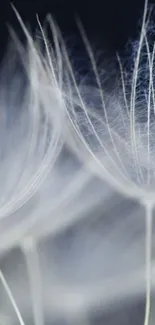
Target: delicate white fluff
<point x="31" y="133"/>
<point x="112" y="140"/>
<point x="45" y="189"/>
<point x="70" y="246"/>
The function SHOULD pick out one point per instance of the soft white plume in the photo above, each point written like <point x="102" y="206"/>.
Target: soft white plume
<point x="72" y="242"/>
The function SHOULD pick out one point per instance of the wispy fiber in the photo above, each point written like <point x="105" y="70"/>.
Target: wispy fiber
<point x="76" y="170"/>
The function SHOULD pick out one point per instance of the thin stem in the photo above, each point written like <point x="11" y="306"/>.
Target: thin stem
<point x="32" y="260"/>
<point x="148" y="245"/>
<point x="10" y="295"/>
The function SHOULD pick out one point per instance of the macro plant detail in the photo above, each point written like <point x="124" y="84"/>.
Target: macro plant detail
<point x="66" y="151"/>
<point x="117" y="141"/>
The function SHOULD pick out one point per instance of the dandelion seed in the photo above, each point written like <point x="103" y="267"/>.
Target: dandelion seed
<point x="45" y="188"/>
<point x="112" y="142"/>
<point x="50" y="191"/>
<point x="31" y="136"/>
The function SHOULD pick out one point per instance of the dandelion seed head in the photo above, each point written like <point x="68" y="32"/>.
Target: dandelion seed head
<point x="117" y="140"/>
